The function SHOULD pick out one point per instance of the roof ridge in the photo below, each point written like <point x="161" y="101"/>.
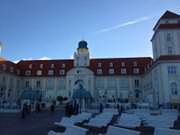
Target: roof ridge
<point x="169" y="15"/>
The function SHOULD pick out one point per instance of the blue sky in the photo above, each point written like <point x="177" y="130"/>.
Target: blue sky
<point x="32" y="29"/>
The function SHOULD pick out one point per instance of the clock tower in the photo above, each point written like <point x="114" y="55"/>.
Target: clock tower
<point x="81" y="56"/>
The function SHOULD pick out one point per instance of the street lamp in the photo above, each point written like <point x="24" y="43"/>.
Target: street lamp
<point x="1" y="48"/>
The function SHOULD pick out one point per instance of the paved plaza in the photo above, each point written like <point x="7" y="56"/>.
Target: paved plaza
<point x="34" y="124"/>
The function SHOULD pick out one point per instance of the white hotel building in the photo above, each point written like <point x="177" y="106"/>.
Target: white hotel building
<point x="136" y="79"/>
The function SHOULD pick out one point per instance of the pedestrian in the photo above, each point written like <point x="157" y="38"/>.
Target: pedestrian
<point x="118" y="109"/>
<point x="24" y="110"/>
<point x="67" y="110"/>
<point x="71" y="109"/>
<point x="77" y="108"/>
<point x="101" y="108"/>
<point x="52" y="108"/>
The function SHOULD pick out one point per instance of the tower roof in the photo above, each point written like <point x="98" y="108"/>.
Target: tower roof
<point x="169" y="15"/>
<point x="82" y="44"/>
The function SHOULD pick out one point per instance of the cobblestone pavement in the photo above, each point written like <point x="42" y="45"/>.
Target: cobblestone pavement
<point x="33" y="124"/>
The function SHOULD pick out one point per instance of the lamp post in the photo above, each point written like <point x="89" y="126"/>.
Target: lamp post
<point x="1" y="48"/>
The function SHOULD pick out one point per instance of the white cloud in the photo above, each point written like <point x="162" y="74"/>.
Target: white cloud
<point x="128" y="23"/>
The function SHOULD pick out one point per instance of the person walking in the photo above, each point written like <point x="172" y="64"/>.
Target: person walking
<point x="101" y="108"/>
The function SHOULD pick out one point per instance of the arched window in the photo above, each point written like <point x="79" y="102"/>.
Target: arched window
<point x="174" y="89"/>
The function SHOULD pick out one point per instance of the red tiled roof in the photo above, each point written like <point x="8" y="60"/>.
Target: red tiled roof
<point x="169" y="57"/>
<point x="169" y="26"/>
<point x="167" y="15"/>
<point x="142" y="62"/>
<point x="24" y="65"/>
<point x="9" y="65"/>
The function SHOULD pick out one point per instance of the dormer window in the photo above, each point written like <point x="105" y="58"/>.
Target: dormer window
<point x="41" y="66"/>
<point x="148" y="66"/>
<point x="30" y="66"/>
<point x="136" y="70"/>
<point x="52" y="65"/>
<point x="62" y="72"/>
<point x="111" y="64"/>
<point x="18" y="72"/>
<point x="39" y="72"/>
<point x="99" y="71"/>
<point x="111" y="71"/>
<point x="50" y="72"/>
<point x="63" y="65"/>
<point x="123" y="70"/>
<point x="134" y="64"/>
<point x="99" y="64"/>
<point x="4" y="67"/>
<point x="122" y="64"/>
<point x="28" y="72"/>
<point x="11" y="69"/>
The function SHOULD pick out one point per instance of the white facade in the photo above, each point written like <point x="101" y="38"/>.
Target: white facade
<point x="159" y="83"/>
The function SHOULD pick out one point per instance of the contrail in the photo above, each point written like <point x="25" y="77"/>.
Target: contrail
<point x="145" y="18"/>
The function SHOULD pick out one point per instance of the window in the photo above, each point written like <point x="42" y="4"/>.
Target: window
<point x="41" y="66"/>
<point x="136" y="70"/>
<point x="11" y="69"/>
<point x="99" y="64"/>
<point x="62" y="84"/>
<point x="52" y="65"/>
<point x="174" y="90"/>
<point x="111" y="71"/>
<point x="99" y="71"/>
<point x="39" y="72"/>
<point x="30" y="66"/>
<point x="170" y="50"/>
<point x="172" y="70"/>
<point x="62" y="72"/>
<point x="178" y="21"/>
<point x="111" y="64"/>
<point x="122" y="64"/>
<point x="168" y="37"/>
<point x="28" y="72"/>
<point x="135" y="64"/>
<point x="100" y="83"/>
<point x="38" y="84"/>
<point x="123" y="70"/>
<point x="50" y="72"/>
<point x="18" y="72"/>
<point x="124" y="84"/>
<point x="11" y="83"/>
<point x="111" y="84"/>
<point x="27" y="84"/>
<point x="167" y="22"/>
<point x="4" y="67"/>
<point x="136" y="83"/>
<point x="63" y="65"/>
<point x="50" y="84"/>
